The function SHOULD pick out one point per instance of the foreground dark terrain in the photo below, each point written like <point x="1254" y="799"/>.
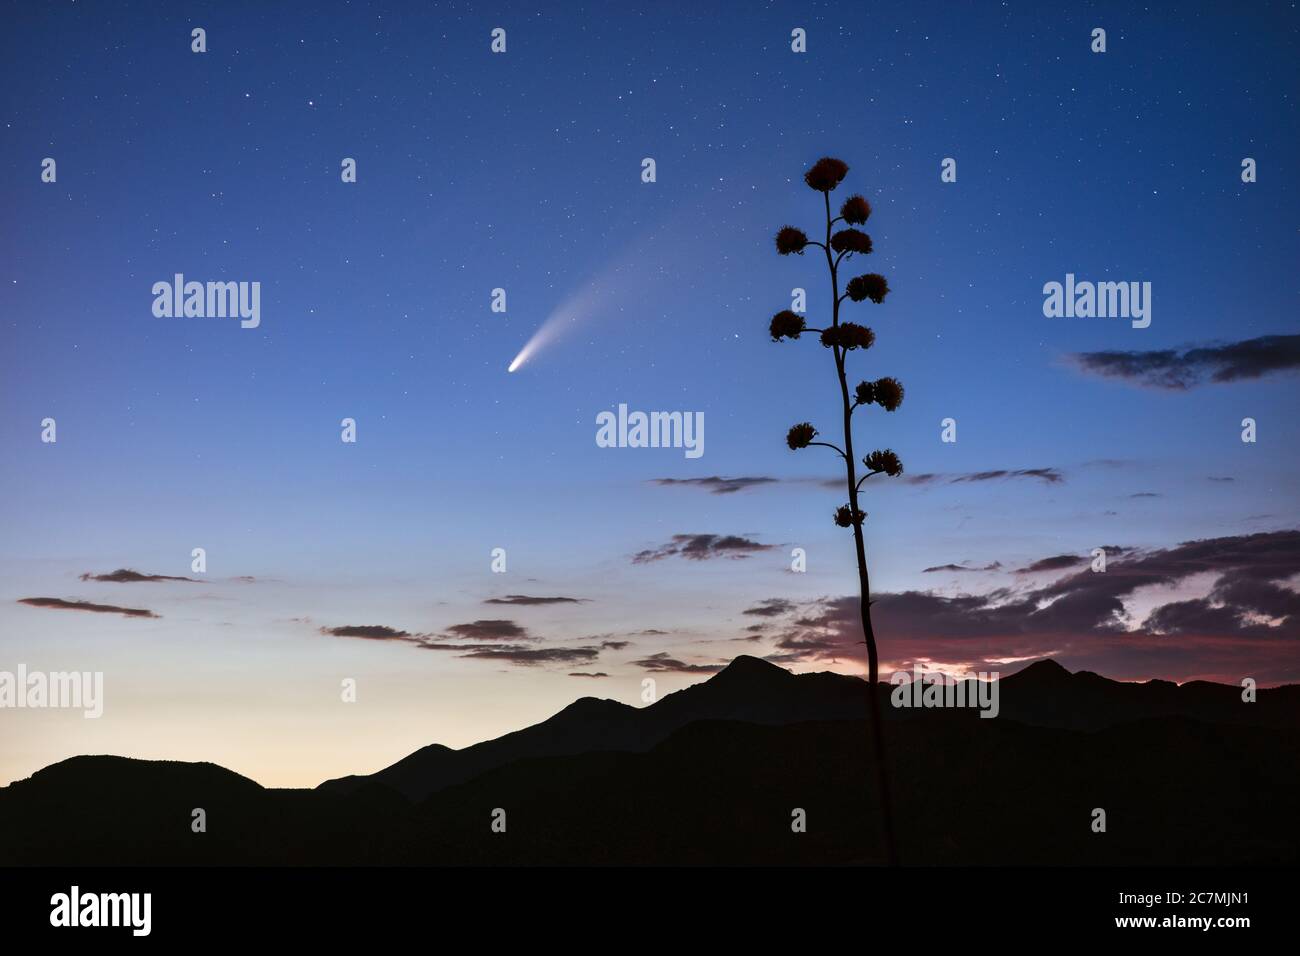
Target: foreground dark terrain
<point x="710" y="775"/>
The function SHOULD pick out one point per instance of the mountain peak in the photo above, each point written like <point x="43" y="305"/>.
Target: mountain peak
<point x="752" y="668"/>
<point x="593" y="707"/>
<point x="1045" y="671"/>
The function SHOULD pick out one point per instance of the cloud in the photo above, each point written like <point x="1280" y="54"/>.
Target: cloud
<point x="715" y="484"/>
<point x="924" y="478"/>
<point x="992" y="566"/>
<point x="535" y="655"/>
<point x="527" y="600"/>
<point x="770" y="607"/>
<point x="662" y="663"/>
<point x="1050" y="476"/>
<point x="1190" y="367"/>
<point x="1247" y="622"/>
<point x="614" y="645"/>
<point x="61" y="604"/>
<point x="127" y="576"/>
<point x="1058" y="562"/>
<point x="585" y="674"/>
<point x="808" y="641"/>
<point x="489" y="630"/>
<point x="702" y="547"/>
<point x="790" y="658"/>
<point x="370" y="632"/>
<point x="488" y="640"/>
<point x="517" y="653"/>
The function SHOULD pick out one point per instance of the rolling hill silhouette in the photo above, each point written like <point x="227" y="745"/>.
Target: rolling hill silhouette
<point x="713" y="773"/>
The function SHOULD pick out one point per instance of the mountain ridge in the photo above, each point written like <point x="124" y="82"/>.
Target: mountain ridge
<point x="1043" y="693"/>
<point x="709" y="774"/>
<point x="1093" y="702"/>
<point x="740" y="691"/>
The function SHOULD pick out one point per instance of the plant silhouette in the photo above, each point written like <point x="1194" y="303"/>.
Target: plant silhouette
<point x="842" y="338"/>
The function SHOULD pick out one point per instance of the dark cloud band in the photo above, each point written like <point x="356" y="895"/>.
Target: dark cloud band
<point x="1188" y="368"/>
<point x="61" y="604"/>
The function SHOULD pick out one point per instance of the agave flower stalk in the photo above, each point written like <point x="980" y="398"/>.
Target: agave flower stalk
<point x="842" y="338"/>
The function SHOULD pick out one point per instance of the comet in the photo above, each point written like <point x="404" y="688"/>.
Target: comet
<point x="546" y="332"/>
<point x="629" y="282"/>
<point x="563" y="317"/>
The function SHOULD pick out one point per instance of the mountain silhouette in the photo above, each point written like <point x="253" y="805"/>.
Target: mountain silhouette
<point x="748" y="689"/>
<point x="715" y="773"/>
<point x="1046" y="694"/>
<point x="756" y="691"/>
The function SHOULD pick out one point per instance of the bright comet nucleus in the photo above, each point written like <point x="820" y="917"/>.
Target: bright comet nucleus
<point x="530" y="346"/>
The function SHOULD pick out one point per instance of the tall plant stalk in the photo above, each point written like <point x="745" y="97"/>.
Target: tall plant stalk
<point x="842" y="338"/>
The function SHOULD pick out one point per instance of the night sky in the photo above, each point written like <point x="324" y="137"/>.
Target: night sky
<point x="475" y="171"/>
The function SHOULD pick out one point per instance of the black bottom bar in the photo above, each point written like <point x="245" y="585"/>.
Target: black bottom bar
<point x="650" y="904"/>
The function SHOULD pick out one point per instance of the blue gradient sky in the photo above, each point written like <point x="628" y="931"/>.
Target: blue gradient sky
<point x="522" y="171"/>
